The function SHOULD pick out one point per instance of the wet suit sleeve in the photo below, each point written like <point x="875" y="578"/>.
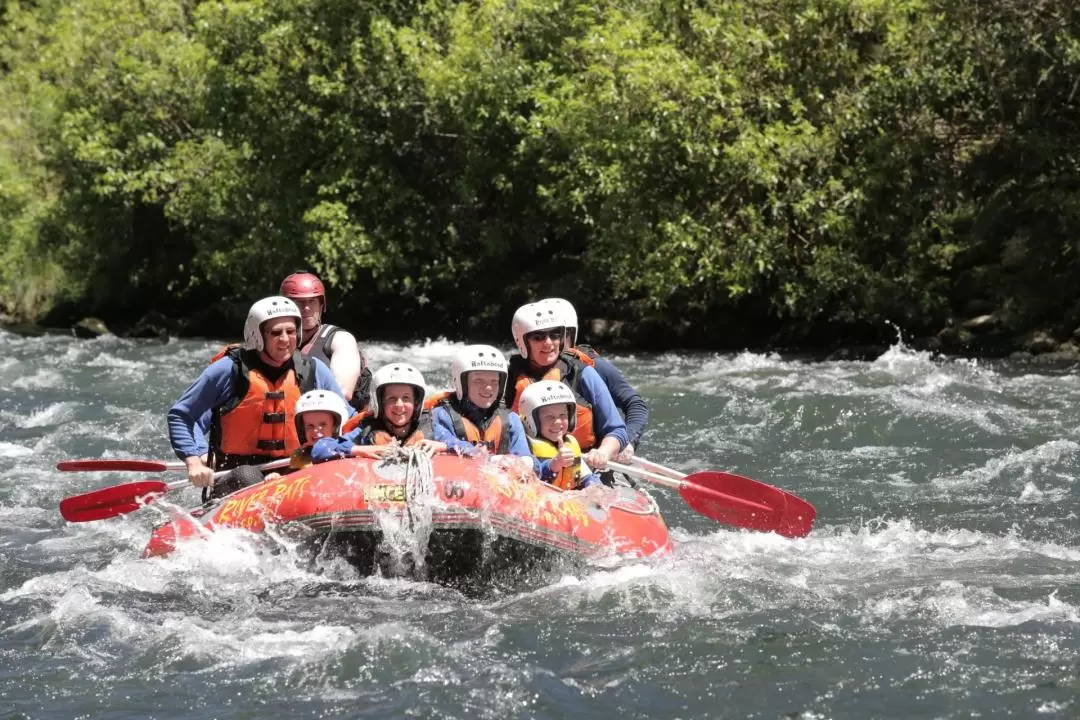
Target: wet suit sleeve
<point x="606" y="418"/>
<point x="627" y="399"/>
<point x="442" y="430"/>
<point x="210" y="390"/>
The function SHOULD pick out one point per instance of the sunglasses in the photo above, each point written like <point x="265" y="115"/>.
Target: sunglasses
<point x="282" y="332"/>
<point x="541" y="335"/>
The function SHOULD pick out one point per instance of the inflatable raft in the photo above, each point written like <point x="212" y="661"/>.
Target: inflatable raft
<point x="442" y="519"/>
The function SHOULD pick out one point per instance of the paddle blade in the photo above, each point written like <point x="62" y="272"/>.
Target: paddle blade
<point x="121" y="465"/>
<point x="747" y="503"/>
<point x="111" y="501"/>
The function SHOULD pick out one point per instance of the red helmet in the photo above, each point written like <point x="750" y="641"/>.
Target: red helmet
<point x="302" y="285"/>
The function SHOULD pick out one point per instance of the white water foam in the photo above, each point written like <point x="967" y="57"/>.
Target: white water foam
<point x="54" y="414"/>
<point x="41" y="379"/>
<point x="11" y="450"/>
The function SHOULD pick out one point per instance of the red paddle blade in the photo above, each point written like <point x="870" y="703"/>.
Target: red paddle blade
<point x="111" y="501"/>
<point x="747" y="503"/>
<point x="100" y="464"/>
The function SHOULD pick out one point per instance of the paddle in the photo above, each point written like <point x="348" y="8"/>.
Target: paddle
<point x="122" y="499"/>
<point x="119" y="465"/>
<point x="116" y="500"/>
<point x="735" y="500"/>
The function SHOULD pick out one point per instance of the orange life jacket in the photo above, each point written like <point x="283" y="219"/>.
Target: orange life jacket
<point x="258" y="421"/>
<point x="373" y="431"/>
<point x="354" y="422"/>
<point x="567" y="369"/>
<point x="494" y="434"/>
<point x="582" y="353"/>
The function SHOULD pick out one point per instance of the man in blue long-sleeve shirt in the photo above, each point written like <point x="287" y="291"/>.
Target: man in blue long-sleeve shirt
<point x="249" y="394"/>
<point x="630" y="403"/>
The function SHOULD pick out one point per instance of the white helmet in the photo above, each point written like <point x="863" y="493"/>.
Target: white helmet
<point x="397" y="374"/>
<point x="476" y="357"/>
<point x="269" y="308"/>
<point x="530" y="318"/>
<point x="565" y="310"/>
<point x="319" y="401"/>
<point x="541" y="394"/>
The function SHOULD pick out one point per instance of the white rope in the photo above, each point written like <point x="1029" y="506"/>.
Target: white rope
<point x="407" y="539"/>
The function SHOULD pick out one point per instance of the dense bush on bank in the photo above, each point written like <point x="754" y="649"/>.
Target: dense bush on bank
<point x="723" y="172"/>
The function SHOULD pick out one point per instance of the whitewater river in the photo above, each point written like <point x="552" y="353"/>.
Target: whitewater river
<point x="942" y="578"/>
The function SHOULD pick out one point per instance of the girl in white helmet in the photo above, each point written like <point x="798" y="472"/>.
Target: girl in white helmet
<point x="471" y="416"/>
<point x="249" y="395"/>
<point x="548" y="412"/>
<point x="397" y="417"/>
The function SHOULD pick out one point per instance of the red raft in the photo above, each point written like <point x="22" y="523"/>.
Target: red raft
<point x="469" y="517"/>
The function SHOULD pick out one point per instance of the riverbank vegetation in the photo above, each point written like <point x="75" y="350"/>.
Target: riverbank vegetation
<point x="718" y="173"/>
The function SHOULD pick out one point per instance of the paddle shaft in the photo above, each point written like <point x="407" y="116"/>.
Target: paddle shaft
<point x="661" y="480"/>
<point x="657" y="468"/>
<point x="119" y="465"/>
<point x="272" y="465"/>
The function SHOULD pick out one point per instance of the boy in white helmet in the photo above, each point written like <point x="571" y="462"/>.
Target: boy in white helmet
<point x="250" y="394"/>
<point x="319" y="415"/>
<point x="471" y="416"/>
<point x="548" y="411"/>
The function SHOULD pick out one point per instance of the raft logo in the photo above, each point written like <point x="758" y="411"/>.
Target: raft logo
<point x="494" y="364"/>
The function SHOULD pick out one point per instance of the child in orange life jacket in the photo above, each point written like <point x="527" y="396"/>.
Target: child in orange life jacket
<point x="548" y="411"/>
<point x="471" y="416"/>
<point x="319" y="415"/>
<point x="397" y="418"/>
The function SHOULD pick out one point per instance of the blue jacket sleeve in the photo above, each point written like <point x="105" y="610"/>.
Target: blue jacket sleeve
<point x="442" y="430"/>
<point x="627" y="399"/>
<point x="542" y="468"/>
<point x="202" y="431"/>
<point x="519" y="443"/>
<point x="606" y="418"/>
<point x="186" y="417"/>
<point x="324" y="380"/>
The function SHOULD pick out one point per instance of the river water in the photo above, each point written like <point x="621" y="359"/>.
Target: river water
<point x="942" y="578"/>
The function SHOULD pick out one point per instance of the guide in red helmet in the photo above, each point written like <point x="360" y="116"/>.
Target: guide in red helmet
<point x="333" y="345"/>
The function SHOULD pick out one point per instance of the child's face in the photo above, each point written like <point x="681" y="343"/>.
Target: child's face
<point x="398" y="403"/>
<point x="554" y="420"/>
<point x="318" y="424"/>
<point x="482" y="388"/>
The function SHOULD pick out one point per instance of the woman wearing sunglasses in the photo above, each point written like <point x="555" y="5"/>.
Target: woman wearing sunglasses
<point x="539" y="334"/>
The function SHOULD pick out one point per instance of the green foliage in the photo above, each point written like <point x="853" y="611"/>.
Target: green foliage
<point x="797" y="164"/>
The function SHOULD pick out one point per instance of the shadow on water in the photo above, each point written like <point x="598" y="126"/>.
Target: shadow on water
<point x="469" y="561"/>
